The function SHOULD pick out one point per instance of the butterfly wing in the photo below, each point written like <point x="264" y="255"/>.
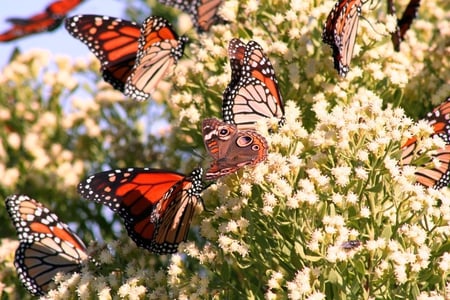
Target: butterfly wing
<point x="439" y="118"/>
<point x="62" y="7"/>
<point x="205" y="14"/>
<point x="404" y="23"/>
<point x="47" y="246"/>
<point x="202" y="12"/>
<point x="159" y="49"/>
<point x="142" y="197"/>
<point x="340" y="32"/>
<point x="236" y="53"/>
<point x="26" y="26"/>
<point x="113" y="41"/>
<point x="174" y="213"/>
<point x="230" y="148"/>
<point x="249" y="102"/>
<point x="214" y="132"/>
<point x="253" y="92"/>
<point x="437" y="177"/>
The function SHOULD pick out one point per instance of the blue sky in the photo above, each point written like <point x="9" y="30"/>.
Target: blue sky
<point x="58" y="41"/>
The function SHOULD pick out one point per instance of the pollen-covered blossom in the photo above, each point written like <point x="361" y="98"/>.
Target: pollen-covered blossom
<point x="307" y="194"/>
<point x="320" y="179"/>
<point x="191" y="113"/>
<point x="275" y="281"/>
<point x="400" y="273"/>
<point x="316" y="296"/>
<point x="444" y="264"/>
<point x="342" y="175"/>
<point x="230" y="245"/>
<point x="391" y="23"/>
<point x="294" y="33"/>
<point x="365" y="212"/>
<point x="279" y="48"/>
<point x="414" y="233"/>
<point x="246" y="189"/>
<point x="267" y="210"/>
<point x="270" y="199"/>
<point x="132" y="290"/>
<point x="277" y="18"/>
<point x="251" y="7"/>
<point x="300" y="285"/>
<point x="104" y="293"/>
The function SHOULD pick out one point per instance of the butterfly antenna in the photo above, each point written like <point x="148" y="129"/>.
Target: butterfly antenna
<point x="201" y="199"/>
<point x="204" y="206"/>
<point x="370" y="24"/>
<point x="371" y="2"/>
<point x="197" y="154"/>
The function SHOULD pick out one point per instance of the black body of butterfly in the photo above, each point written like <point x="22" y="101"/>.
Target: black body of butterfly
<point x="439" y="176"/>
<point x="340" y="31"/>
<point x="404" y="23"/>
<point x="159" y="49"/>
<point x="157" y="206"/>
<point x="231" y="148"/>
<point x="202" y="12"/>
<point x="253" y="92"/>
<point x="47" y="245"/>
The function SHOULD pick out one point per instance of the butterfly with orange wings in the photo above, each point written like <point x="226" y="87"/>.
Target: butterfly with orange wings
<point x="202" y="12"/>
<point x="437" y="177"/>
<point x="134" y="58"/>
<point x="253" y="92"/>
<point x="340" y="32"/>
<point x="251" y="95"/>
<point x="47" y="245"/>
<point x="157" y="206"/>
<point x="404" y="23"/>
<point x="48" y="20"/>
<point x="159" y="49"/>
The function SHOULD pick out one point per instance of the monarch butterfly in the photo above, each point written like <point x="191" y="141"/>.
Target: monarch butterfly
<point x="113" y="41"/>
<point x="48" y="20"/>
<point x="159" y="49"/>
<point x="339" y="32"/>
<point x="253" y="92"/>
<point x="47" y="245"/>
<point x="231" y="148"/>
<point x="438" y="177"/>
<point x="35" y="24"/>
<point x="156" y="205"/>
<point x="203" y="12"/>
<point x="404" y="23"/>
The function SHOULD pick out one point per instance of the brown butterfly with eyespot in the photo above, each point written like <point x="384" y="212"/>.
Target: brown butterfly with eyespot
<point x="231" y="148"/>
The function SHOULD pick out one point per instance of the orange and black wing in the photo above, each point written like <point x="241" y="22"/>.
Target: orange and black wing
<point x="236" y="53"/>
<point x="156" y="205"/>
<point x="23" y="27"/>
<point x="404" y="23"/>
<point x="202" y="12"/>
<point x="159" y="49"/>
<point x="340" y="31"/>
<point x="61" y="8"/>
<point x="439" y="176"/>
<point x="47" y="245"/>
<point x="113" y="41"/>
<point x="253" y="92"/>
